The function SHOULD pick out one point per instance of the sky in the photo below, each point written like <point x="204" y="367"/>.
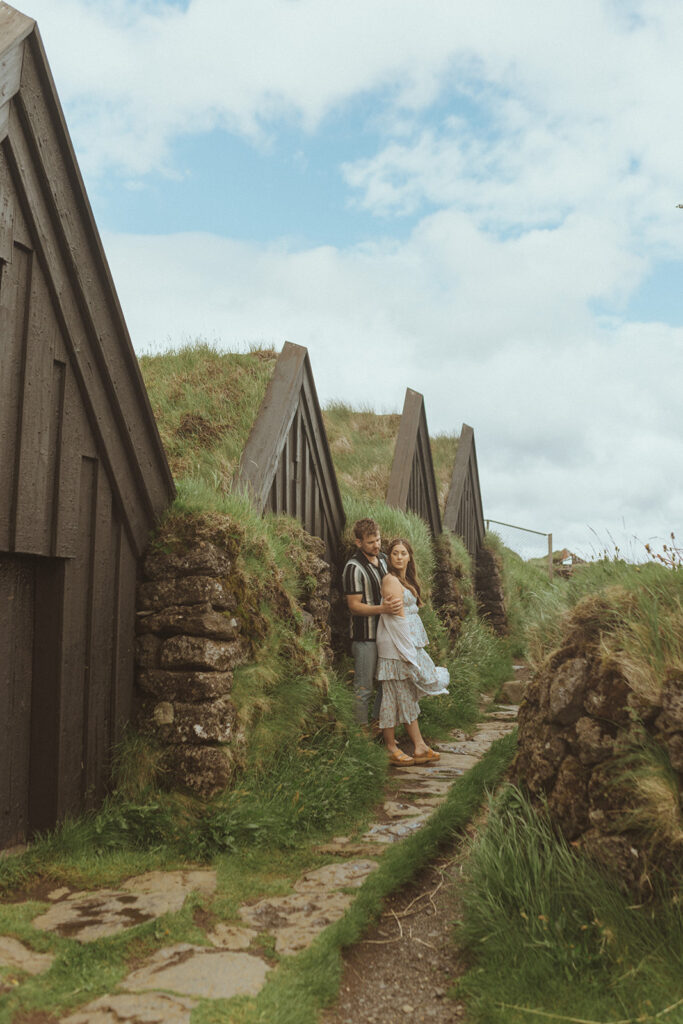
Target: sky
<point x="477" y="201"/>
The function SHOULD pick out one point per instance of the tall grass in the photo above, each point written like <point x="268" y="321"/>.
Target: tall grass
<point x="549" y="933"/>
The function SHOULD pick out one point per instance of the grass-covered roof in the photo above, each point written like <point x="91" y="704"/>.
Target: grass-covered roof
<point x="362" y="443"/>
<point x="205" y="403"/>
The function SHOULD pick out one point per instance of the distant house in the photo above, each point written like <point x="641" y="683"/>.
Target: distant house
<point x="83" y="475"/>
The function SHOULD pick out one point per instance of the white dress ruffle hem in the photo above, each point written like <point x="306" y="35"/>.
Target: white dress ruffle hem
<point x="403" y="666"/>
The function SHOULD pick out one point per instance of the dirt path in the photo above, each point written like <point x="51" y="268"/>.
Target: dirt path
<point x="401" y="969"/>
<point x="404" y="966"/>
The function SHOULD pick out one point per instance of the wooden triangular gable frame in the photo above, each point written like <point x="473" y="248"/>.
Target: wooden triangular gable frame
<point x="412" y="485"/>
<point x="286" y="465"/>
<point x="463" y="514"/>
<point x="45" y="181"/>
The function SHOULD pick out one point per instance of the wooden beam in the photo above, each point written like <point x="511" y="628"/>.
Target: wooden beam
<point x="412" y="454"/>
<point x="402" y="466"/>
<point x="465" y="472"/>
<point x="14" y="28"/>
<point x="269" y="433"/>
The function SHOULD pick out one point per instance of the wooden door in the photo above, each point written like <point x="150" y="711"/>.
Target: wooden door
<point x="17" y="603"/>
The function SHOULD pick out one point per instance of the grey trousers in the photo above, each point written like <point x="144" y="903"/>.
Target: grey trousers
<point x="365" y="662"/>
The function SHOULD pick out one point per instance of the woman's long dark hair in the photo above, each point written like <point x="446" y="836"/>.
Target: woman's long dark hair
<point x="412" y="580"/>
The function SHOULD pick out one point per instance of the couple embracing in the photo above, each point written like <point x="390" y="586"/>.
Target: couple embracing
<point x="388" y="640"/>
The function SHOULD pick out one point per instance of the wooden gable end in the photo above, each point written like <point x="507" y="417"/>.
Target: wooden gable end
<point x="82" y="471"/>
<point x="286" y="464"/>
<point x="57" y="291"/>
<point x="463" y="514"/>
<point x="412" y="485"/>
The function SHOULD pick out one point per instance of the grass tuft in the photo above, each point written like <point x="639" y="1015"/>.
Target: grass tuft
<point x="549" y="932"/>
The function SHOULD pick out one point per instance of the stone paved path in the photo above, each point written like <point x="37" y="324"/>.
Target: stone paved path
<point x="167" y="986"/>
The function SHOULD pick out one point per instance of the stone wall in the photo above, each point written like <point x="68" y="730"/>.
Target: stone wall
<point x="196" y="622"/>
<point x="578" y="724"/>
<point x="489" y="590"/>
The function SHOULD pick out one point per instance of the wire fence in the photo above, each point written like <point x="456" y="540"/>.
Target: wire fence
<point x="526" y="529"/>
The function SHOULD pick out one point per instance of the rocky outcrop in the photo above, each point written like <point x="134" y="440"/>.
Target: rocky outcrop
<point x="581" y="729"/>
<point x="489" y="590"/>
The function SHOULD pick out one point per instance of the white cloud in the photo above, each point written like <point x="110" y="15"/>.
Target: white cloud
<point x="548" y="187"/>
<point x="575" y="424"/>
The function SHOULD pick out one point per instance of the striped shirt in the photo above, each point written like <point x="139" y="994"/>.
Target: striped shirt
<point x="360" y="576"/>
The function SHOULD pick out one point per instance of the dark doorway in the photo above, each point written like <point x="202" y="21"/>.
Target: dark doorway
<point x="29" y="705"/>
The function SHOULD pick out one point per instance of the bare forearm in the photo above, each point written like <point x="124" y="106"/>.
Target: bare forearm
<point x="369" y="609"/>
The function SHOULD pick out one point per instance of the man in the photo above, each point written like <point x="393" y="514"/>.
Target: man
<point x="362" y="582"/>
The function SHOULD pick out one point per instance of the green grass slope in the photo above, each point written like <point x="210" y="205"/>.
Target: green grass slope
<point x="362" y="443"/>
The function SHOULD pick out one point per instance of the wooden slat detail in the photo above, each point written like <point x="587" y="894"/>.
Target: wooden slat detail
<point x="17" y="587"/>
<point x="39" y="428"/>
<point x="123" y="634"/>
<point x="6" y="211"/>
<point x="286" y="465"/>
<point x="98" y="725"/>
<point x="322" y="458"/>
<point x="91" y="279"/>
<point x="15" y="284"/>
<point x="47" y="693"/>
<point x="463" y="514"/>
<point x="76" y="670"/>
<point x="412" y="485"/>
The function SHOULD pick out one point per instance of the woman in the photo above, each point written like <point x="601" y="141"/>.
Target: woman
<point x="403" y="666"/>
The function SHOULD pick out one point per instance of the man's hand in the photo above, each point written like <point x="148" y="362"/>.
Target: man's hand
<point x="391" y="605"/>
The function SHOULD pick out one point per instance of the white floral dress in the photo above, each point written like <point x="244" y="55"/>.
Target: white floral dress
<point x="404" y="668"/>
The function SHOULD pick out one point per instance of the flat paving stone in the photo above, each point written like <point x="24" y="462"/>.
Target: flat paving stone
<point x="350" y="848"/>
<point x="145" y="1008"/>
<point x="335" y="876"/>
<point x="200" y="971"/>
<point x="296" y="919"/>
<point x="231" y="936"/>
<point x="86" y="916"/>
<point x="394" y="809"/>
<point x="15" y="955"/>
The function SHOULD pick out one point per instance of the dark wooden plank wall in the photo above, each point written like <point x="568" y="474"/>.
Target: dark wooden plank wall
<point x="412" y="485"/>
<point x="48" y="186"/>
<point x="17" y="587"/>
<point x="151" y="484"/>
<point x="463" y="514"/>
<point x="56" y="501"/>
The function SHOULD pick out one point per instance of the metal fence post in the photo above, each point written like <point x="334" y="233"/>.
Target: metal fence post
<point x="550" y="556"/>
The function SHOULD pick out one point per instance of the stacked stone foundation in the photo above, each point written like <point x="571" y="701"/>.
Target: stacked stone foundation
<point x="191" y="636"/>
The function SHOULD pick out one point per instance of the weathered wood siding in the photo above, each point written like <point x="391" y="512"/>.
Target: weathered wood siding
<point x="286" y="465"/>
<point x="82" y="471"/>
<point x="412" y="485"/>
<point x="17" y="590"/>
<point x="463" y="514"/>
